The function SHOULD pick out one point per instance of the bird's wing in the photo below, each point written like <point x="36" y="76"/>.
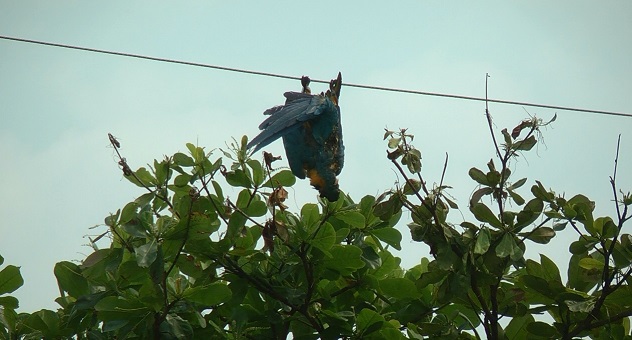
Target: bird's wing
<point x="299" y="107"/>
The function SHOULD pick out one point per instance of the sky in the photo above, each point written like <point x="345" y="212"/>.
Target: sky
<point x="59" y="178"/>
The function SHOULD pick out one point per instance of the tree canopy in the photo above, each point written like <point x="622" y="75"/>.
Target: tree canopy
<point x="186" y="261"/>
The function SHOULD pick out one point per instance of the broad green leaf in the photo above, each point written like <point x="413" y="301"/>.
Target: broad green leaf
<point x="353" y="218"/>
<point x="310" y="214"/>
<point x="540" y="192"/>
<point x="431" y="277"/>
<point x="129" y="211"/>
<point x="478" y="176"/>
<point x="399" y="288"/>
<point x="209" y="295"/>
<point x="529" y="213"/>
<point x="10" y="279"/>
<point x="351" y="255"/>
<point x="541" y="235"/>
<point x="257" y="171"/>
<point x="162" y="171"/>
<point x="591" y="263"/>
<point x="393" y="142"/>
<point x="508" y="247"/>
<point x="46" y="321"/>
<point x="484" y="214"/>
<point x="8" y="302"/>
<point x="542" y="329"/>
<point x="390" y="236"/>
<point x="581" y="246"/>
<point x="182" y="160"/>
<point x="517" y="327"/>
<point x="145" y="177"/>
<point x="370" y="257"/>
<point x="517" y="184"/>
<point x="238" y="178"/>
<point x="525" y="144"/>
<point x="515" y="197"/>
<point x="118" y="308"/>
<point x="283" y="178"/>
<point x="368" y="321"/>
<point x="146" y="254"/>
<point x="70" y="279"/>
<point x="482" y="241"/>
<point x="493" y="178"/>
<point x="478" y="194"/>
<point x="176" y="327"/>
<point x="605" y="227"/>
<point x="580" y="278"/>
<point x="550" y="268"/>
<point x="236" y="223"/>
<point x="325" y="238"/>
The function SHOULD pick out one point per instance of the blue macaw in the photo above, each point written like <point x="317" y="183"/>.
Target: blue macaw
<point x="312" y="135"/>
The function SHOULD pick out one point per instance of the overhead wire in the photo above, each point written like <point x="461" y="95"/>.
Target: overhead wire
<point x="275" y="75"/>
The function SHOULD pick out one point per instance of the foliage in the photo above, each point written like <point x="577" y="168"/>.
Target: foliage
<point x="187" y="261"/>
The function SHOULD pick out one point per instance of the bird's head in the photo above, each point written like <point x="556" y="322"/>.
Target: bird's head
<point x="327" y="184"/>
<point x="334" y="89"/>
<point x="305" y="83"/>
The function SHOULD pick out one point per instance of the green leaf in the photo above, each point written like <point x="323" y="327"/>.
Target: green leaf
<point x="591" y="263"/>
<point x="390" y="236"/>
<point x="431" y="277"/>
<point x="209" y="295"/>
<point x="238" y="178"/>
<point x="542" y="329"/>
<point x="525" y="144"/>
<point x="10" y="279"/>
<point x="353" y="218"/>
<point x="605" y="227"/>
<point x="8" y="302"/>
<point x="145" y="177"/>
<point x="517" y="184"/>
<point x="529" y="213"/>
<point x="45" y="321"/>
<point x="550" y="269"/>
<point x="183" y="160"/>
<point x="508" y="247"/>
<point x="482" y="241"/>
<point x="70" y="279"/>
<point x="542" y="235"/>
<point x="146" y="254"/>
<point x="399" y="288"/>
<point x="393" y="142"/>
<point x="325" y="238"/>
<point x="310" y="214"/>
<point x="351" y="255"/>
<point x="368" y="321"/>
<point x="129" y="211"/>
<point x="257" y="171"/>
<point x="283" y="178"/>
<point x="515" y="197"/>
<point x="484" y="214"/>
<point x="478" y="176"/>
<point x="540" y="192"/>
<point x="118" y="308"/>
<point x="478" y="194"/>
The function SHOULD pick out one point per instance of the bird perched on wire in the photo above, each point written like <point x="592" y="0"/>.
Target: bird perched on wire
<point x="312" y="135"/>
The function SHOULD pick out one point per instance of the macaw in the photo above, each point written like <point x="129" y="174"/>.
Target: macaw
<point x="312" y="135"/>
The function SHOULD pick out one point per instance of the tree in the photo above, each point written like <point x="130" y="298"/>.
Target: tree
<point x="185" y="261"/>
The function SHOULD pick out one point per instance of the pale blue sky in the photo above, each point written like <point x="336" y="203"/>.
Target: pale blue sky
<point x="56" y="106"/>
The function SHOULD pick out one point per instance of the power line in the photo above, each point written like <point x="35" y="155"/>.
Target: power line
<point x="267" y="74"/>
